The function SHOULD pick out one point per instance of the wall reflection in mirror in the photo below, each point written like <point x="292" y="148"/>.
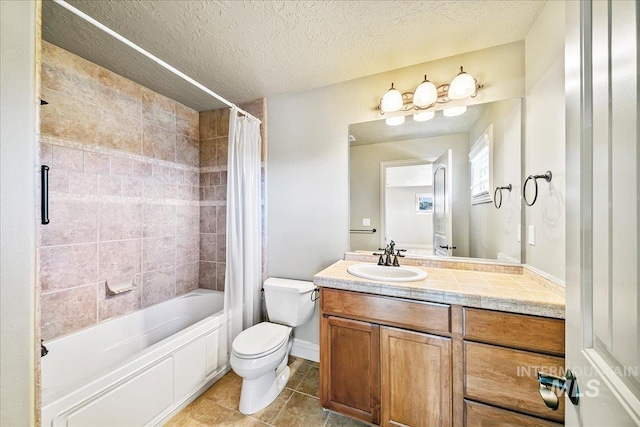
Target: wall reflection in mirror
<point x="449" y="186"/>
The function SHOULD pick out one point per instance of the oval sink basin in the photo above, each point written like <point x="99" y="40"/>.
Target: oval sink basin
<point x="385" y="273"/>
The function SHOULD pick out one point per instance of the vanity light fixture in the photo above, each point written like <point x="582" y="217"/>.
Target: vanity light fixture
<point x="423" y="116"/>
<point x="391" y="101"/>
<point x="394" y="121"/>
<point x="454" y="111"/>
<point x="427" y="94"/>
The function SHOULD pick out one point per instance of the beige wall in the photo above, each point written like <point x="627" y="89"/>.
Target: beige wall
<point x="364" y="170"/>
<point x="544" y="146"/>
<point x="18" y="125"/>
<point x="405" y="226"/>
<point x="124" y="195"/>
<point x="493" y="231"/>
<point x="308" y="185"/>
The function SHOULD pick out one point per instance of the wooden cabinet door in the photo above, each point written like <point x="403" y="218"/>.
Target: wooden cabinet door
<point x="415" y="379"/>
<point x="349" y="368"/>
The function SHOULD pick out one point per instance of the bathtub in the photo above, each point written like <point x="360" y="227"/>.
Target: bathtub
<point x="137" y="369"/>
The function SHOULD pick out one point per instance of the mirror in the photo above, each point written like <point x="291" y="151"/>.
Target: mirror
<point x="431" y="186"/>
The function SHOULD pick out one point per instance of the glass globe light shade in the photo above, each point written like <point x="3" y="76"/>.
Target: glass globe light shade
<point x="454" y="111"/>
<point x="395" y="121"/>
<point x="391" y="101"/>
<point x="462" y="86"/>
<point x="426" y="94"/>
<point x="424" y="116"/>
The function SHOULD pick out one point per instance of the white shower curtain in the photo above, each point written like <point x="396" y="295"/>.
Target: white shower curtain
<point x="242" y="298"/>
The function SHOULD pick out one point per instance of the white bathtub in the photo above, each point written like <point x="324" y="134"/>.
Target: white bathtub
<point x="137" y="369"/>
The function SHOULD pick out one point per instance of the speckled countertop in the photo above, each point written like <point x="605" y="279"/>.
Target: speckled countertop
<point x="513" y="293"/>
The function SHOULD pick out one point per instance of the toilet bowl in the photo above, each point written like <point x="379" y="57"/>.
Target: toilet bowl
<point x="260" y="353"/>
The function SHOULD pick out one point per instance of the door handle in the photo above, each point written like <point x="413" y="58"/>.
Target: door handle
<point x="567" y="384"/>
<point x="447" y="247"/>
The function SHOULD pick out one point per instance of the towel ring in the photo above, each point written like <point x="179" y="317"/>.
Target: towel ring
<point x="499" y="191"/>
<point x="547" y="177"/>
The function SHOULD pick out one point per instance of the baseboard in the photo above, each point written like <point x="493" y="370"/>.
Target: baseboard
<point x="502" y="257"/>
<point x="306" y="350"/>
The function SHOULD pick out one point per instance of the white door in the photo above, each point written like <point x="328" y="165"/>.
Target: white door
<point x="442" y="215"/>
<point x="603" y="299"/>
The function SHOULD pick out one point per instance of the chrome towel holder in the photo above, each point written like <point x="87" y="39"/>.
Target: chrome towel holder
<point x="546" y="176"/>
<point x="499" y="191"/>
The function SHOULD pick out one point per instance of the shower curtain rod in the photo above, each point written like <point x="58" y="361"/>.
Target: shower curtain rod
<point x="149" y="55"/>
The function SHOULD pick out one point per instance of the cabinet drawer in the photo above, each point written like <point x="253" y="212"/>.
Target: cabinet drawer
<point x="479" y="415"/>
<point x="543" y="335"/>
<point x="508" y="378"/>
<point x="423" y="316"/>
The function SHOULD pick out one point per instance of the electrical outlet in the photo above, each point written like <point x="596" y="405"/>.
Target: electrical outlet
<point x="532" y="235"/>
<point x="519" y="232"/>
<point x="366" y="222"/>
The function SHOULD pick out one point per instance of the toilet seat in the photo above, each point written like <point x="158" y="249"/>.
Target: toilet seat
<point x="260" y="340"/>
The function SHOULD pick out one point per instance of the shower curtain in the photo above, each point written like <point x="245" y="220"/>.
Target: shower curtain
<point x="244" y="227"/>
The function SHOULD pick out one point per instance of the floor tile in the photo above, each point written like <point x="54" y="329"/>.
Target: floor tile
<point x="226" y="391"/>
<point x="269" y="414"/>
<point x="311" y="383"/>
<point x="301" y="410"/>
<point x="337" y="420"/>
<point x="299" y="369"/>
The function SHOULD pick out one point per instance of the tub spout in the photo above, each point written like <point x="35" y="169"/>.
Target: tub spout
<point x="43" y="349"/>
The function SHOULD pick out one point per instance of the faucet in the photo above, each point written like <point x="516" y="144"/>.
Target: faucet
<point x="390" y="251"/>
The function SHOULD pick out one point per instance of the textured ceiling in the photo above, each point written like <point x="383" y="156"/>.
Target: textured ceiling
<point x="250" y="49"/>
<point x="378" y="131"/>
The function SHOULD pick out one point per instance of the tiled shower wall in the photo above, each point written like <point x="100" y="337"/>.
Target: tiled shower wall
<point x="214" y="136"/>
<point x="124" y="194"/>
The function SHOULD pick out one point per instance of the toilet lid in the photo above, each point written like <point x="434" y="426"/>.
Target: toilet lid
<point x="260" y="340"/>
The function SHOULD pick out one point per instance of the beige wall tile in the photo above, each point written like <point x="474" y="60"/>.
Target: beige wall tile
<point x="208" y="219"/>
<point x="117" y="305"/>
<point x="220" y="275"/>
<point x="46" y="154"/>
<point x="158" y="252"/>
<point x="120" y="221"/>
<point x="120" y="131"/>
<point x="69" y="74"/>
<point x="186" y="278"/>
<point x="119" y="94"/>
<point x="67" y="311"/>
<point x="62" y="267"/>
<point x="191" y="177"/>
<point x="184" y="192"/>
<point x="158" y="286"/>
<point x="109" y="185"/>
<point x="207" y="125"/>
<point x="121" y="258"/>
<point x="221" y="248"/>
<point x="159" y="110"/>
<point x="187" y="248"/>
<point x="122" y="166"/>
<point x="67" y="158"/>
<point x="221" y="151"/>
<point x="96" y="163"/>
<point x="132" y="187"/>
<point x="59" y="180"/>
<point x="187" y="219"/>
<point x="207" y="275"/>
<point x="158" y="143"/>
<point x="187" y="121"/>
<point x="70" y="222"/>
<point x="222" y="122"/>
<point x="187" y="151"/>
<point x="221" y="223"/>
<point x="68" y="118"/>
<point x="83" y="183"/>
<point x="159" y="220"/>
<point x="207" y="152"/>
<point x="208" y="248"/>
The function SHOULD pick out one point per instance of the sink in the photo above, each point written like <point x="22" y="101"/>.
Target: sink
<point x="387" y="273"/>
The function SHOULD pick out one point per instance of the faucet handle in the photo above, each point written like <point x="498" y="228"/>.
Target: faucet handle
<point x="381" y="259"/>
<point x="398" y="254"/>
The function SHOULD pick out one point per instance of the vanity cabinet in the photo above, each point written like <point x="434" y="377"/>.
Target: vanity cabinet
<point x="401" y="362"/>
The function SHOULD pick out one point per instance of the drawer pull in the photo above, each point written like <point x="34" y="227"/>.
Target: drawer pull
<point x="567" y="384"/>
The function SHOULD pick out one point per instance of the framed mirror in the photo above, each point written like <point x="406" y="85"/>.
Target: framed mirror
<point x="449" y="186"/>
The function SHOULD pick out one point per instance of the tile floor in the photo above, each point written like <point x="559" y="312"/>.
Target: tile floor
<point x="297" y="406"/>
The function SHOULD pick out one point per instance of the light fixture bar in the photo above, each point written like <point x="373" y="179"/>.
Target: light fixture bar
<point x="149" y="55"/>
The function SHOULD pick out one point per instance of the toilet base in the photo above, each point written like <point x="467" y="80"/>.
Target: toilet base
<point x="260" y="392"/>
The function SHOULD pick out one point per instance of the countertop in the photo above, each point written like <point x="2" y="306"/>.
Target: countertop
<point x="514" y="293"/>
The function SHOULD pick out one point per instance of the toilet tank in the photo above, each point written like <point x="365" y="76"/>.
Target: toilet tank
<point x="289" y="301"/>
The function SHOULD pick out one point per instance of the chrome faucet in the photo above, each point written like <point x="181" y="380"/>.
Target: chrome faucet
<point x="390" y="251"/>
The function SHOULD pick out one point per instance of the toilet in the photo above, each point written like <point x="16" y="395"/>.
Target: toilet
<point x="260" y="353"/>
